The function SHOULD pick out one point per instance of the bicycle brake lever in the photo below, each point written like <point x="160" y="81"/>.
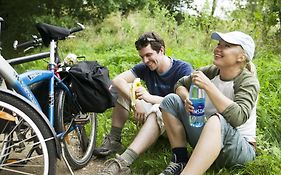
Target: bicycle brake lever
<point x="27" y="49"/>
<point x="81" y="25"/>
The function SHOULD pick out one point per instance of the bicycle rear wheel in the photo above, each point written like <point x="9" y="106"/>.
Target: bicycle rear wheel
<point x="80" y="141"/>
<point x="22" y="132"/>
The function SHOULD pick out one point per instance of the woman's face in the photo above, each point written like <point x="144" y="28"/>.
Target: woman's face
<point x="227" y="55"/>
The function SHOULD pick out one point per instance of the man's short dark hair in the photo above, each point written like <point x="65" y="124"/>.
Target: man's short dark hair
<point x="150" y="38"/>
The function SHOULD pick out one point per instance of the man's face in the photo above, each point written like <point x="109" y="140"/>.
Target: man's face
<point x="150" y="57"/>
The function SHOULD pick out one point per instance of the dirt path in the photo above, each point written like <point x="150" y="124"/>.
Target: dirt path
<point x="94" y="166"/>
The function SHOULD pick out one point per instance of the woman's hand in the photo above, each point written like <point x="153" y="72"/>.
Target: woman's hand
<point x="188" y="105"/>
<point x="200" y="79"/>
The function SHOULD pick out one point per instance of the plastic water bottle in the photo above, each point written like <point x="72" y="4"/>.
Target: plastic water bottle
<point x="197" y="97"/>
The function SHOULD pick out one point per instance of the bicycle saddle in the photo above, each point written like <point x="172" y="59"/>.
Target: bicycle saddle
<point x="50" y="32"/>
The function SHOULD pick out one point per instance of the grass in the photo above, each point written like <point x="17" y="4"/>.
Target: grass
<point x="112" y="44"/>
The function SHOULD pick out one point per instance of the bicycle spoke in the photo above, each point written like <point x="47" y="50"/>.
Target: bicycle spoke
<point x="15" y="171"/>
<point x="21" y="160"/>
<point x="34" y="145"/>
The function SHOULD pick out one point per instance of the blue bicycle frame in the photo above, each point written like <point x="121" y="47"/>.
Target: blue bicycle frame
<point x="21" y="82"/>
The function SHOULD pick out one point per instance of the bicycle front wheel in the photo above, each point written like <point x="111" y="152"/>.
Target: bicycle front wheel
<point x="22" y="133"/>
<point x="80" y="141"/>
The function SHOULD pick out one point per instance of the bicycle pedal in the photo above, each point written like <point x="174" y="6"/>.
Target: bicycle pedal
<point x="82" y="119"/>
<point x="81" y="122"/>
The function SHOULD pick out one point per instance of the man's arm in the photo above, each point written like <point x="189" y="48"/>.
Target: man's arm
<point x="121" y="82"/>
<point x="143" y="94"/>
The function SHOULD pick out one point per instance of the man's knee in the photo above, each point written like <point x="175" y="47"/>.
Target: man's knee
<point x="151" y="119"/>
<point x="151" y="116"/>
<point x="155" y="119"/>
<point x="123" y="103"/>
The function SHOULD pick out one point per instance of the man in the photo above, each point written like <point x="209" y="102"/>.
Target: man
<point x="159" y="73"/>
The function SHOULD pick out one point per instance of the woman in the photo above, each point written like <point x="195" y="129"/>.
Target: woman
<point x="231" y="87"/>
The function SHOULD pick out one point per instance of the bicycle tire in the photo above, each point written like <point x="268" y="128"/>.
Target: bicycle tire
<point x="78" y="156"/>
<point x="27" y="133"/>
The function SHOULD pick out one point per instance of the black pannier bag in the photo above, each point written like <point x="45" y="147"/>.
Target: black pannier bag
<point x="92" y="86"/>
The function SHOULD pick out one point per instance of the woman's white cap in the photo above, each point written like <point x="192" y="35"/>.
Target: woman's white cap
<point x="238" y="38"/>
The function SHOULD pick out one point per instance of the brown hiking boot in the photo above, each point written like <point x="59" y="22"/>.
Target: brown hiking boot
<point x="109" y="146"/>
<point x="115" y="166"/>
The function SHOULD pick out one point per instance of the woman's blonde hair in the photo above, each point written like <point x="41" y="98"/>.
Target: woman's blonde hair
<point x="250" y="65"/>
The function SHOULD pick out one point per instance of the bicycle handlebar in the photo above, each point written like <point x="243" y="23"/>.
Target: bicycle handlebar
<point x="77" y="29"/>
<point x="34" y="42"/>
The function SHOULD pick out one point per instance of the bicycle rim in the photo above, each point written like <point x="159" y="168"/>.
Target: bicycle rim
<point x="20" y="138"/>
<point x="80" y="142"/>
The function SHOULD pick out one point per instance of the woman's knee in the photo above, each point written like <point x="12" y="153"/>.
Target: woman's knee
<point x="213" y="122"/>
<point x="171" y="102"/>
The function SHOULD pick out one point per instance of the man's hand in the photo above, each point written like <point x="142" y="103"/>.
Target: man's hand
<point x="142" y="94"/>
<point x="140" y="112"/>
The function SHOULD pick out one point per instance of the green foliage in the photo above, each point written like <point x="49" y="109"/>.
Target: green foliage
<point x="112" y="44"/>
<point x="269" y="109"/>
<point x="21" y="16"/>
<point x="264" y="17"/>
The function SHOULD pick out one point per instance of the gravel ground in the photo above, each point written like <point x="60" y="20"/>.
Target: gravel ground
<point x="94" y="166"/>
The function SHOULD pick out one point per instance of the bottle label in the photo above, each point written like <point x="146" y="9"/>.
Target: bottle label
<point x="199" y="106"/>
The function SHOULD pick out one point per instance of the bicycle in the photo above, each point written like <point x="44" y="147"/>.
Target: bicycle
<point x="66" y="128"/>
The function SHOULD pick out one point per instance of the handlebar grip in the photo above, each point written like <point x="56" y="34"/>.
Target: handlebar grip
<point x="77" y="29"/>
<point x="24" y="45"/>
<point x="34" y="42"/>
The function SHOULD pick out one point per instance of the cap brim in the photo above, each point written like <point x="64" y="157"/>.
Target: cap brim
<point x="216" y="36"/>
<point x="225" y="37"/>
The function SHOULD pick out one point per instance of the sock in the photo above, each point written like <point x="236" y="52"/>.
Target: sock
<point x="129" y="156"/>
<point x="115" y="133"/>
<point x="180" y="154"/>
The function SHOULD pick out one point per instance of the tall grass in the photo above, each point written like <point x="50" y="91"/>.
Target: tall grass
<point x="112" y="44"/>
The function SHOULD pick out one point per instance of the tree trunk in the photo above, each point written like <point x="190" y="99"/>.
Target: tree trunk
<point x="214" y="7"/>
